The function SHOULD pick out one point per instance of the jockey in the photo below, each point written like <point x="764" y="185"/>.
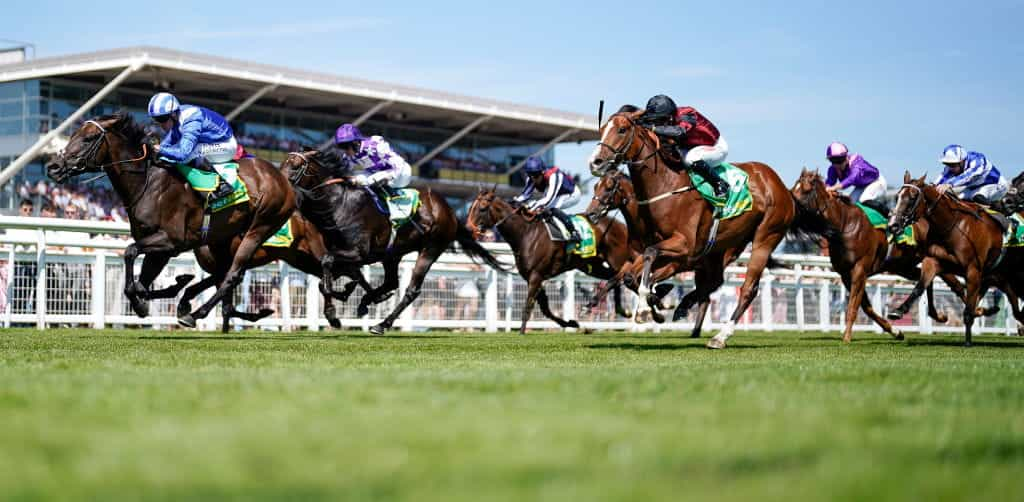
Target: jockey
<point x="194" y="135"/>
<point x="971" y="176"/>
<point x="382" y="166"/>
<point x="852" y="170"/>
<point x="559" y="191"/>
<point x="700" y="145"/>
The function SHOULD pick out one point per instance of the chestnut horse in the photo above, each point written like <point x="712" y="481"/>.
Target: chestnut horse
<point x="166" y="215"/>
<point x="961" y="239"/>
<point x="615" y="192"/>
<point x="538" y="258"/>
<point x="857" y="250"/>
<point x="681" y="220"/>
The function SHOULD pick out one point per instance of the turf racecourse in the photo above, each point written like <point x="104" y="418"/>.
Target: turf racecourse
<point x="110" y="415"/>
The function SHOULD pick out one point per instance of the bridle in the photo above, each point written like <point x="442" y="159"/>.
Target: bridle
<point x="93" y="148"/>
<point x="299" y="172"/>
<point x="477" y="231"/>
<point x="909" y="217"/>
<point x="604" y="201"/>
<point x="619" y="154"/>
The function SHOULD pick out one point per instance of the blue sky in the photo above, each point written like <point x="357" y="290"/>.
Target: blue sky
<point x="896" y="81"/>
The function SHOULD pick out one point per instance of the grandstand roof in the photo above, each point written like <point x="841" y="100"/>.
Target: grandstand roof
<point x="235" y="80"/>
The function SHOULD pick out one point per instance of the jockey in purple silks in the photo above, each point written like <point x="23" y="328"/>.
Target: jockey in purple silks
<point x="382" y="167"/>
<point x="852" y="170"/>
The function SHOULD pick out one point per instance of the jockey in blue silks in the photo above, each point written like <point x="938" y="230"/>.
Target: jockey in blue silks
<point x="194" y="135"/>
<point x="557" y="190"/>
<point x="971" y="176"/>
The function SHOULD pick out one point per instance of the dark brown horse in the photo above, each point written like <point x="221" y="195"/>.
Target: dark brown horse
<point x="615" y="192"/>
<point x="166" y="215"/>
<point x="857" y="250"/>
<point x="356" y="233"/>
<point x="962" y="239"/>
<point x="538" y="258"/>
<point x="305" y="254"/>
<point x="681" y="220"/>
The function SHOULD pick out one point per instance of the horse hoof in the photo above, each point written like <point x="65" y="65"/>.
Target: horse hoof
<point x="642" y="317"/>
<point x="572" y="324"/>
<point x="695" y="333"/>
<point x="847" y="339"/>
<point x="894" y="316"/>
<point x="679" y="314"/>
<point x="362" y="310"/>
<point x="378" y="329"/>
<point x="658" y="317"/>
<point x="715" y="343"/>
<point x="897" y="335"/>
<point x="941" y="318"/>
<point x="334" y="322"/>
<point x="141" y="308"/>
<point x="187" y="321"/>
<point x="183" y="279"/>
<point x="662" y="290"/>
<point x="1020" y="330"/>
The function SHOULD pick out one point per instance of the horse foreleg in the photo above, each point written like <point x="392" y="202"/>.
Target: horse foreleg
<point x="973" y="280"/>
<point x="854" y="281"/>
<point x="929" y="269"/>
<point x="865" y="306"/>
<point x="184" y="304"/>
<point x="533" y="287"/>
<point x="138" y="291"/>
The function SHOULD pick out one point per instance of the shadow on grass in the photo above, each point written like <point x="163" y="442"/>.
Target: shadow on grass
<point x="663" y="346"/>
<point x="1008" y="343"/>
<point x="279" y="338"/>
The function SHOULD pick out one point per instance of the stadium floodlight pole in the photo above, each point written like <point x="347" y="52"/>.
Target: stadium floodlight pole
<point x="42" y="142"/>
<point x="362" y="118"/>
<point x="551" y="144"/>
<point x="250" y="100"/>
<point x="451" y="141"/>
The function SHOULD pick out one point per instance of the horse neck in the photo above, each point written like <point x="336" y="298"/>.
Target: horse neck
<point x="941" y="217"/>
<point x="513" y="227"/>
<point x="631" y="210"/>
<point x="129" y="186"/>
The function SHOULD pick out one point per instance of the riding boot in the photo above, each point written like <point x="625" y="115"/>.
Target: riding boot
<point x="223" y="189"/>
<point x="877" y="205"/>
<point x="717" y="183"/>
<point x="566" y="220"/>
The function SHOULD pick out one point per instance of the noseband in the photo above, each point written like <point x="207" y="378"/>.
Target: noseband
<point x="619" y="154"/>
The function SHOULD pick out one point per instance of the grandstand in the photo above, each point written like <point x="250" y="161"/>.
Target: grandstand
<point x="454" y="142"/>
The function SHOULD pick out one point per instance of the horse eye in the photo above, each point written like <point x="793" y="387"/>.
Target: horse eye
<point x="622" y="130"/>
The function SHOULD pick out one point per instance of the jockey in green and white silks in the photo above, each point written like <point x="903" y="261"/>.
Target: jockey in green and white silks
<point x="194" y="135"/>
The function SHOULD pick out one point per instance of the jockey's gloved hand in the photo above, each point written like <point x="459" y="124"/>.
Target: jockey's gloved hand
<point x="671" y="131"/>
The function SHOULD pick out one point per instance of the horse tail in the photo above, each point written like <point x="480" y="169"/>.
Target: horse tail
<point x="475" y="251"/>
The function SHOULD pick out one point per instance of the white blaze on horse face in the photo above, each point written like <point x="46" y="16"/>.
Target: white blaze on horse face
<point x="605" y="131"/>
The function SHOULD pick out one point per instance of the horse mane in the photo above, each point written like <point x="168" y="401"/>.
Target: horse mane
<point x="331" y="160"/>
<point x="124" y="124"/>
<point x="628" y="109"/>
<point x="811" y="226"/>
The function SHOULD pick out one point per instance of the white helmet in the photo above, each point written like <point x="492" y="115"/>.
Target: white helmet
<point x="953" y="154"/>
<point x="163" y="103"/>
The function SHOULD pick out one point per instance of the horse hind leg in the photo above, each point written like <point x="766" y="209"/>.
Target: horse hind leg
<point x="542" y="302"/>
<point x="250" y="244"/>
<point x="759" y="257"/>
<point x="425" y="260"/>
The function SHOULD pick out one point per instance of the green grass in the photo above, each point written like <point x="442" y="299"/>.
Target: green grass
<point x="176" y="415"/>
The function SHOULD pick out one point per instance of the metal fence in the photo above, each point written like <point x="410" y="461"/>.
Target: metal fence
<point x="71" y="273"/>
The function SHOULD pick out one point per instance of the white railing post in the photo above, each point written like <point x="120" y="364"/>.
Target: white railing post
<point x="798" y="281"/>
<point x="284" y="275"/>
<point x="406" y="320"/>
<point x="313" y="303"/>
<point x="11" y="286"/>
<point x="824" y="299"/>
<point x="41" y="279"/>
<point x="876" y="304"/>
<point x="491" y="301"/>
<point x="767" y="312"/>
<point x="509" y="301"/>
<point x="923" y="321"/>
<point x="99" y="290"/>
<point x="569" y="299"/>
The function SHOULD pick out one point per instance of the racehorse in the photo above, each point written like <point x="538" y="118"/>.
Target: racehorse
<point x="681" y="221"/>
<point x="856" y="249"/>
<point x="166" y="215"/>
<point x="357" y="233"/>
<point x="305" y="254"/>
<point x="538" y="258"/>
<point x="615" y="192"/>
<point x="961" y="239"/>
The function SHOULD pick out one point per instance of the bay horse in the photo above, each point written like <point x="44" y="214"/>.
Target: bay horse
<point x="357" y="233"/>
<point x="681" y="220"/>
<point x="305" y="254"/>
<point x="165" y="213"/>
<point x="615" y="191"/>
<point x="961" y="239"/>
<point x="538" y="258"/>
<point x="857" y="250"/>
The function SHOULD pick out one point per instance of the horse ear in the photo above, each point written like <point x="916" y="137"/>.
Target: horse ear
<point x="922" y="178"/>
<point x="636" y="115"/>
<point x="906" y="177"/>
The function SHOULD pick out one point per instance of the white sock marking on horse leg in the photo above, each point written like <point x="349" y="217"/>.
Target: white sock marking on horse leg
<point x="726" y="331"/>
